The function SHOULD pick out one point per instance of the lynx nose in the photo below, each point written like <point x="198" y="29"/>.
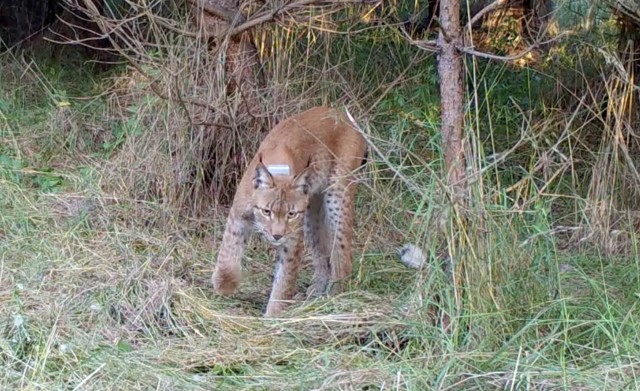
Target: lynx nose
<point x="277" y="237"/>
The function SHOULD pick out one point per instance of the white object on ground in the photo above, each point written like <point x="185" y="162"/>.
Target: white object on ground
<point x="412" y="256"/>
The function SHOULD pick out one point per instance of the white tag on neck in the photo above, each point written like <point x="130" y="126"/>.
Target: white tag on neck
<point x="279" y="169"/>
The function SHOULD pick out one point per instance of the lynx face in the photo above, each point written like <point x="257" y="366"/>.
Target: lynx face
<point x="280" y="205"/>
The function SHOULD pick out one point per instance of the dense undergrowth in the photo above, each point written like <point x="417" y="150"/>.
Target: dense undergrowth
<point x="105" y="262"/>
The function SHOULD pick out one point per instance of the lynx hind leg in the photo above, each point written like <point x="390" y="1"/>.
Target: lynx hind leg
<point x="288" y="259"/>
<point x="339" y="203"/>
<point x="228" y="271"/>
<point x="317" y="238"/>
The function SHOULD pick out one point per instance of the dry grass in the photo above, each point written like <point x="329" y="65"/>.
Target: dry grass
<point x="110" y="220"/>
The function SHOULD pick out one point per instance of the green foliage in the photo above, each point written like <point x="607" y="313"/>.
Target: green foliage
<point x="121" y="131"/>
<point x="103" y="287"/>
<point x="10" y="167"/>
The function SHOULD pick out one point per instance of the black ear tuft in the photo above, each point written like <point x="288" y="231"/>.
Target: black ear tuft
<point x="262" y="178"/>
<point x="366" y="156"/>
<point x="303" y="180"/>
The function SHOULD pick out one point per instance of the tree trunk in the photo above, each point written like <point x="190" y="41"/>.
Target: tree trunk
<point x="235" y="71"/>
<point x="452" y="97"/>
<point x="242" y="65"/>
<point x="628" y="15"/>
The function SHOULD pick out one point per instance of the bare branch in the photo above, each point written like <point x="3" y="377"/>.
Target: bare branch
<point x="270" y="15"/>
<point x="238" y="23"/>
<point x="266" y="16"/>
<point x="490" y="56"/>
<point x="497" y="4"/>
<point x="111" y="27"/>
<point x="473" y="52"/>
<point x="132" y="51"/>
<point x="428" y="45"/>
<point x="223" y="14"/>
<point x="169" y="26"/>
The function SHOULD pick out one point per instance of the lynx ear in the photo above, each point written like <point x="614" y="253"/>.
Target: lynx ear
<point x="302" y="181"/>
<point x="262" y="178"/>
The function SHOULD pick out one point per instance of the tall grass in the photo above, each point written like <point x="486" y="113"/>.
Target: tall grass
<point x="109" y="223"/>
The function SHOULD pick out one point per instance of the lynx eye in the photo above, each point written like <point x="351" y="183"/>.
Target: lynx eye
<point x="266" y="212"/>
<point x="293" y="214"/>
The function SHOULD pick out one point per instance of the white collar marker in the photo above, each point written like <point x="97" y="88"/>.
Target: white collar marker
<point x="279" y="169"/>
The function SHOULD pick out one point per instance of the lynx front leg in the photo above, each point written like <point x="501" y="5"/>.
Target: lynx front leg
<point x="339" y="203"/>
<point x="228" y="271"/>
<point x="316" y="234"/>
<point x="288" y="259"/>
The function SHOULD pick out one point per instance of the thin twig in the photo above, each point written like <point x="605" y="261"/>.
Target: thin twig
<point x="227" y="16"/>
<point x="490" y="8"/>
<point x="513" y="57"/>
<point x="490" y="56"/>
<point x="428" y="45"/>
<point x="272" y="14"/>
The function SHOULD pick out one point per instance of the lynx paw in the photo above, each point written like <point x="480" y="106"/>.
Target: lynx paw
<point x="274" y="308"/>
<point x="317" y="289"/>
<point x="226" y="281"/>
<point x="337" y="287"/>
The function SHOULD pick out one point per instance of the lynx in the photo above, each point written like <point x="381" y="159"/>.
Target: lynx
<point x="299" y="187"/>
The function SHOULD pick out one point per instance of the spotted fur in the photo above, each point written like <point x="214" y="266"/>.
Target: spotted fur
<point x="315" y="204"/>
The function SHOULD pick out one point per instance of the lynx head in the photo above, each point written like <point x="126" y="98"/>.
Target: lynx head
<point x="280" y="203"/>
